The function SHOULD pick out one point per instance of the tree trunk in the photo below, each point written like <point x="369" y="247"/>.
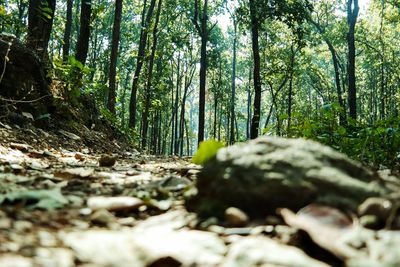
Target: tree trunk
<point x="215" y="116"/>
<point x="290" y="95"/>
<point x="255" y="122"/>
<point x="382" y="70"/>
<point x="352" y="14"/>
<point x="123" y="98"/>
<point x="203" y="73"/>
<point x="148" y="93"/>
<point x="67" y="31"/>
<point x="233" y="93"/>
<point x="335" y="61"/>
<point x="139" y="63"/>
<point x="174" y="146"/>
<point x="22" y="5"/>
<point x="82" y="46"/>
<point x="40" y="24"/>
<point x="203" y="32"/>
<point x="114" y="55"/>
<point x="248" y="121"/>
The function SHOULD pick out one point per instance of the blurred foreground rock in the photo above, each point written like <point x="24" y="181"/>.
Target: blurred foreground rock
<point x="269" y="173"/>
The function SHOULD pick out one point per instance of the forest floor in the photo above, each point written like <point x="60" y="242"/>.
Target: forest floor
<point x="64" y="203"/>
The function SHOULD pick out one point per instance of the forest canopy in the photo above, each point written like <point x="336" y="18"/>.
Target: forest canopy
<point x="172" y="73"/>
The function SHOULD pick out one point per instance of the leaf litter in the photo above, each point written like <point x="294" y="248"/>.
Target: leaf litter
<point x="60" y="207"/>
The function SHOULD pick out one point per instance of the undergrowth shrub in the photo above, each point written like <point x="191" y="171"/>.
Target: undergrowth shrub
<point x="376" y="144"/>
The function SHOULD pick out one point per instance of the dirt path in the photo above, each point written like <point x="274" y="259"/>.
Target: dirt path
<point x="60" y="208"/>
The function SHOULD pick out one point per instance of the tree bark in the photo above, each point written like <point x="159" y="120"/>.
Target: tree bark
<point x="352" y="14"/>
<point x="233" y="92"/>
<point x="139" y="63"/>
<point x="335" y="61"/>
<point x="40" y="24"/>
<point x="255" y="122"/>
<point x="114" y="56"/>
<point x="82" y="46"/>
<point x="203" y="32"/>
<point x="22" y="5"/>
<point x="67" y="31"/>
<point x="148" y="93"/>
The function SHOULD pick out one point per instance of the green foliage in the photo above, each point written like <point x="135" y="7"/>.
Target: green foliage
<point x="132" y="134"/>
<point x="68" y="73"/>
<point x="376" y="144"/>
<point x="207" y="150"/>
<point x="36" y="199"/>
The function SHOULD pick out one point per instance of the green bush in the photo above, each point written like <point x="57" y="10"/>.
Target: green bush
<point x="375" y="144"/>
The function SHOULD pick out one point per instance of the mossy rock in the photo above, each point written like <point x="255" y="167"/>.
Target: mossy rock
<point x="269" y="173"/>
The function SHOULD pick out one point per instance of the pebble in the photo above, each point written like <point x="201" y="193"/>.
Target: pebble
<point x="107" y="161"/>
<point x="378" y="207"/>
<point x="102" y="217"/>
<point x="236" y="217"/>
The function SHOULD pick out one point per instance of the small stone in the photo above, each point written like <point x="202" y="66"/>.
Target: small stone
<point x="22" y="226"/>
<point x="236" y="217"/>
<point x="375" y="206"/>
<point x="5" y="223"/>
<point x="36" y="154"/>
<point x="107" y="161"/>
<point x="80" y="156"/>
<point x="16" y="167"/>
<point x="69" y="135"/>
<point x="22" y="147"/>
<point x="371" y="222"/>
<point x="128" y="221"/>
<point x="47" y="239"/>
<point x="102" y="217"/>
<point x="28" y="115"/>
<point x="70" y="173"/>
<point x="15" y="261"/>
<point x="114" y="203"/>
<point x="273" y="220"/>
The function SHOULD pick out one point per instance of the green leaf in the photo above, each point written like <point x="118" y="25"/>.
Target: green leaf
<point x="341" y="130"/>
<point x="3" y="11"/>
<point x="37" y="199"/>
<point x="207" y="150"/>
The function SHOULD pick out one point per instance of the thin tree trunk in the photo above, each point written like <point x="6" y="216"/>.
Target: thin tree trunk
<point x="114" y="56"/>
<point x="176" y="108"/>
<point x="203" y="31"/>
<point x="233" y="93"/>
<point x="67" y="31"/>
<point x="82" y="45"/>
<point x="188" y="82"/>
<point x="148" y="93"/>
<point x="215" y="116"/>
<point x="290" y="97"/>
<point x="139" y="63"/>
<point x="352" y="14"/>
<point x="22" y="5"/>
<point x="248" y="122"/>
<point x="335" y="61"/>
<point x="255" y="122"/>
<point x="382" y="70"/>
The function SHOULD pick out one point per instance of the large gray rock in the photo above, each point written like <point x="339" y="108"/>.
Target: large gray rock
<point x="268" y="173"/>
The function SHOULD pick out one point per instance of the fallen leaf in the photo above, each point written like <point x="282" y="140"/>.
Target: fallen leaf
<point x="22" y="147"/>
<point x="42" y="199"/>
<point x="69" y="135"/>
<point x="70" y="173"/>
<point x="262" y="251"/>
<point x="114" y="203"/>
